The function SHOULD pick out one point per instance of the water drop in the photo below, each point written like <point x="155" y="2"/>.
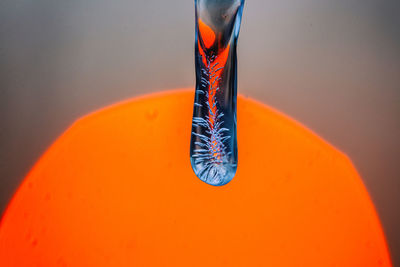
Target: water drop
<point x="213" y="147"/>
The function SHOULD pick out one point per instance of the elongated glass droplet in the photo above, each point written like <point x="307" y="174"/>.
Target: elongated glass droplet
<point x="213" y="147"/>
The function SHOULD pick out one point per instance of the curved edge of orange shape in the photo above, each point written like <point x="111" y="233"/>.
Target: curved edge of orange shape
<point x="357" y="180"/>
<point x="115" y="190"/>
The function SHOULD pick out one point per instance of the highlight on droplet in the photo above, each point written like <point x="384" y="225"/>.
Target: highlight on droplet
<point x="213" y="146"/>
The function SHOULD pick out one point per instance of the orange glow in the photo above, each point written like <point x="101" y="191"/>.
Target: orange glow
<point x="219" y="64"/>
<point x="206" y="33"/>
<point x="117" y="189"/>
<point x="208" y="37"/>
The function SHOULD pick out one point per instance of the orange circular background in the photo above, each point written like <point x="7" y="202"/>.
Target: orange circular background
<point x="117" y="189"/>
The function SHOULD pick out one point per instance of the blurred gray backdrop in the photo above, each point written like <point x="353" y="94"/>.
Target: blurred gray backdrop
<point x="332" y="65"/>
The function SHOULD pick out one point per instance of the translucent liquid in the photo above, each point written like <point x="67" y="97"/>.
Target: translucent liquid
<point x="213" y="147"/>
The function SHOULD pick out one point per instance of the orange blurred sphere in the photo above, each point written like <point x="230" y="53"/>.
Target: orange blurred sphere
<point x="117" y="189"/>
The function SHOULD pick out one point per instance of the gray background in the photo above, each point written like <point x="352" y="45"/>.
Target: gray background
<point x="332" y="65"/>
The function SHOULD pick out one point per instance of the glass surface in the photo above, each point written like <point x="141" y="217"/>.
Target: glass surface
<point x="213" y="147"/>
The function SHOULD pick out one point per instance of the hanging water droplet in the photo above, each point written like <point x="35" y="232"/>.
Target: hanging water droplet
<point x="213" y="147"/>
